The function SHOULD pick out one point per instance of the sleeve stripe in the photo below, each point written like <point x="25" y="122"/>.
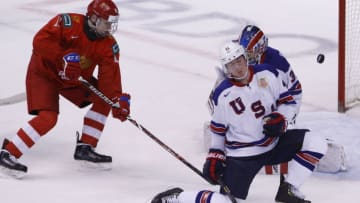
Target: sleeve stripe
<point x="266" y="141"/>
<point x="296" y="86"/>
<point x="218" y="128"/>
<point x="286" y="98"/>
<point x="295" y="92"/>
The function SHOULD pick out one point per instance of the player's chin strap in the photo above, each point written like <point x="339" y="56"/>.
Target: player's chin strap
<point x="157" y="140"/>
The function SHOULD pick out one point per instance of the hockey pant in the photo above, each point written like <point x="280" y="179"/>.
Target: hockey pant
<point x="300" y="147"/>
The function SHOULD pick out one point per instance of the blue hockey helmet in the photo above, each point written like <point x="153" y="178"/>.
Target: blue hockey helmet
<point x="255" y="43"/>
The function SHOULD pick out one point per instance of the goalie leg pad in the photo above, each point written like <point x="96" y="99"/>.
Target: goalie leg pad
<point x="334" y="160"/>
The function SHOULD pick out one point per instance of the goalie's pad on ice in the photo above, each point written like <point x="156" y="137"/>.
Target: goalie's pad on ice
<point x="334" y="160"/>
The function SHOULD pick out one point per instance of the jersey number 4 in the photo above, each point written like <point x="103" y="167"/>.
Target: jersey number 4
<point x="256" y="107"/>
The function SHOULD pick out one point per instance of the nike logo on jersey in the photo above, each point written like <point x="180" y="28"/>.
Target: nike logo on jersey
<point x="226" y="94"/>
<point x="74" y="37"/>
<point x="57" y="22"/>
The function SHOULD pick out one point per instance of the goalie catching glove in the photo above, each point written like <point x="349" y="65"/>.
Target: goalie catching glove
<point x="274" y="124"/>
<point x="123" y="111"/>
<point x="214" y="166"/>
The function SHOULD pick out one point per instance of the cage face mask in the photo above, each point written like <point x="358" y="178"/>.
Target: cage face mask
<point x="106" y="27"/>
<point x="230" y="54"/>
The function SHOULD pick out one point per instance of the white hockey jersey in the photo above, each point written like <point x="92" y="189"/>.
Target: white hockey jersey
<point x="281" y="67"/>
<point x="274" y="58"/>
<point x="237" y="125"/>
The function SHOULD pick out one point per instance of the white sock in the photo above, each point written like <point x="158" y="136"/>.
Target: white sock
<point x="303" y="164"/>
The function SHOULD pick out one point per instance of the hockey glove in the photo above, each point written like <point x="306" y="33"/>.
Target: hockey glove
<point x="71" y="67"/>
<point x="124" y="110"/>
<point x="214" y="166"/>
<point x="274" y="124"/>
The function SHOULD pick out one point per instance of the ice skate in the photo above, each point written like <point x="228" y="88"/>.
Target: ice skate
<point x="9" y="165"/>
<point x="168" y="196"/>
<point x="288" y="193"/>
<point x="88" y="158"/>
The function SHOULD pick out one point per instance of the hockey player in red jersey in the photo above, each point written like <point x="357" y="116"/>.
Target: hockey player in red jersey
<point x="69" y="46"/>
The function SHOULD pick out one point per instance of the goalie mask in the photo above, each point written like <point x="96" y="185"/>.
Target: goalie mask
<point x="255" y="43"/>
<point x="103" y="17"/>
<point x="234" y="61"/>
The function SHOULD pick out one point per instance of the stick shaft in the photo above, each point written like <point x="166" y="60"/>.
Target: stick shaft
<point x="153" y="137"/>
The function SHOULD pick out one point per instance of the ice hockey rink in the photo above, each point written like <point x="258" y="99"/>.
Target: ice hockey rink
<point x="168" y="52"/>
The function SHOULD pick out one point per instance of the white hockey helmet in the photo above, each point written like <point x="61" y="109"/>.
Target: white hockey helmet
<point x="228" y="53"/>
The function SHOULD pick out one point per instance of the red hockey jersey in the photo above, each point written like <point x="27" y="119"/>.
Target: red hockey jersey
<point x="66" y="33"/>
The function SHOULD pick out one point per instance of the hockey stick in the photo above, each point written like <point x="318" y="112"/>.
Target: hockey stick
<point x="153" y="137"/>
<point x="13" y="99"/>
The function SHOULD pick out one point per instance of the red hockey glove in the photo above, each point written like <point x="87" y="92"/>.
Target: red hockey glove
<point x="274" y="124"/>
<point x="124" y="110"/>
<point x="71" y="68"/>
<point x="214" y="166"/>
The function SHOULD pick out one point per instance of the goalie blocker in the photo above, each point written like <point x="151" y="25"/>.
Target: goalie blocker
<point x="334" y="160"/>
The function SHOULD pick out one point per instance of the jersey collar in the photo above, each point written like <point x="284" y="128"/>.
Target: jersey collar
<point x="240" y="84"/>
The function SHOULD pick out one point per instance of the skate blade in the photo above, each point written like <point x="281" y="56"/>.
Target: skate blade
<point x="169" y="191"/>
<point x="5" y="172"/>
<point x="94" y="166"/>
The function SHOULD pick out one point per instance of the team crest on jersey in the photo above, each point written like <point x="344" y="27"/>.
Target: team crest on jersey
<point x="262" y="82"/>
<point x="76" y="19"/>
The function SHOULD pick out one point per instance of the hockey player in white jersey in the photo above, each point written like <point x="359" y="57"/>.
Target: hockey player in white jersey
<point x="255" y="42"/>
<point x="249" y="130"/>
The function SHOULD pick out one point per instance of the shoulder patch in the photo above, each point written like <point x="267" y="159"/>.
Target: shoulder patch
<point x="115" y="49"/>
<point x="66" y="19"/>
<point x="262" y="82"/>
<point x="76" y="19"/>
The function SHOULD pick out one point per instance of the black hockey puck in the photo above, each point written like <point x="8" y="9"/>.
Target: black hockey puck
<point x="320" y="58"/>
